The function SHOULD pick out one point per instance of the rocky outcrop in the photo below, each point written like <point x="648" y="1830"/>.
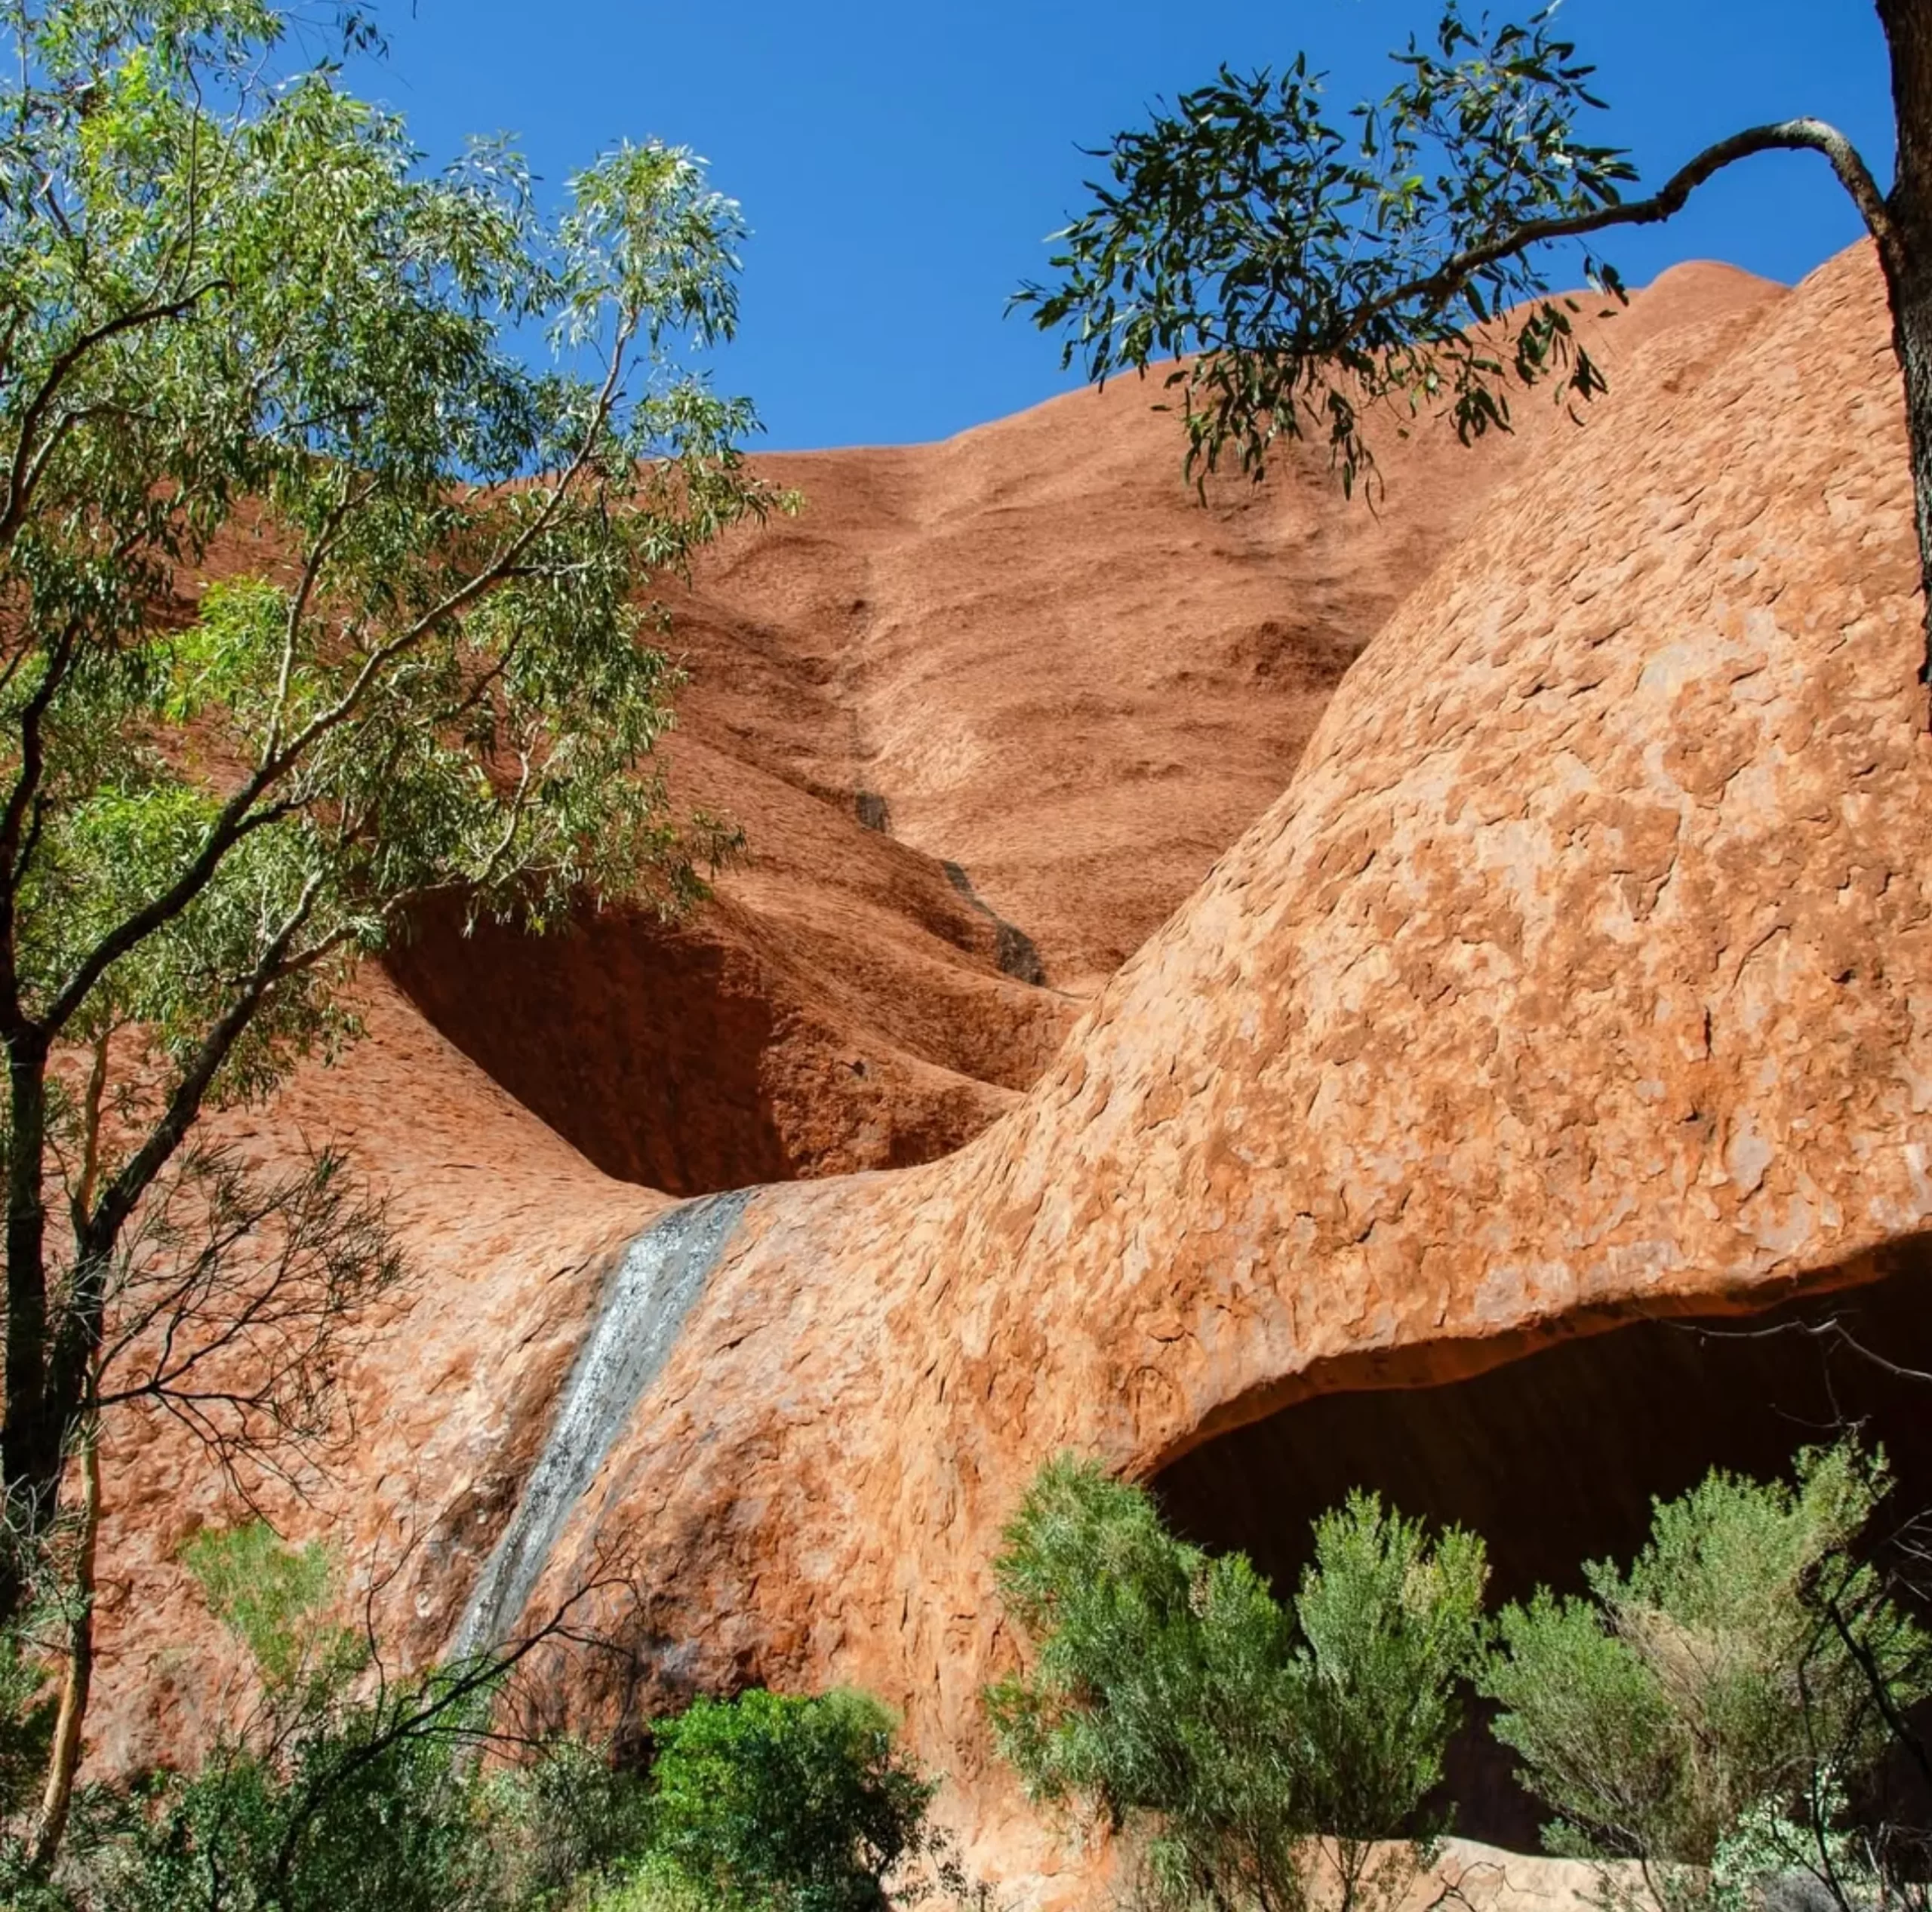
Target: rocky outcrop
<point x="1582" y="974"/>
<point x="1054" y="666"/>
<point x="987" y="710"/>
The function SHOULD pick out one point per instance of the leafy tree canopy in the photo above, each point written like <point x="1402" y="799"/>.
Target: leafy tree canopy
<point x="315" y="599"/>
<point x="1315" y="265"/>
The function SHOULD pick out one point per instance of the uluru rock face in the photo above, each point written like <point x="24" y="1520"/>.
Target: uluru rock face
<point x="1044" y="660"/>
<point x="987" y="710"/>
<point x="1581" y="975"/>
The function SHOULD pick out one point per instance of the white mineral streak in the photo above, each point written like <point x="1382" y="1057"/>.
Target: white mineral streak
<point x="660" y="1276"/>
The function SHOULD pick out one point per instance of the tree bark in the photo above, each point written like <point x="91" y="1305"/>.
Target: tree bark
<point x="31" y="1434"/>
<point x="1907" y="263"/>
<point x="64" y="1761"/>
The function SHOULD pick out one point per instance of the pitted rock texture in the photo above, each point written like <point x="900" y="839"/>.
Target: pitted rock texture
<point x="987" y="710"/>
<point x="1057" y="667"/>
<point x="1584" y="971"/>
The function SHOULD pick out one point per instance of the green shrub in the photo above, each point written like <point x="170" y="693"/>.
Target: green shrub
<point x="349" y="1815"/>
<point x="1247" y="1743"/>
<point x="342" y="1793"/>
<point x="341" y="1824"/>
<point x="772" y="1800"/>
<point x="28" y="1703"/>
<point x="1731" y="1679"/>
<point x="281" y="1602"/>
<point x="324" y="1800"/>
<point x="348" y="1789"/>
<point x="563" y="1825"/>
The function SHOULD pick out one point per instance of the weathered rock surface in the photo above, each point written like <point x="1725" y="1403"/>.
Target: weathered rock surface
<point x="1059" y="671"/>
<point x="1583" y="972"/>
<point x="838" y="1005"/>
<point x="509" y="1232"/>
<point x="990" y="705"/>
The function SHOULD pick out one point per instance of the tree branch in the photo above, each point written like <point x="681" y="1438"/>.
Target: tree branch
<point x="26" y="787"/>
<point x="1790" y="135"/>
<point x="331" y="532"/>
<point x="81" y="1201"/>
<point x="502" y="566"/>
<point x="26" y="467"/>
<point x="1880" y="1688"/>
<point x="422" y="1714"/>
<point x="237" y="819"/>
<point x="329" y="1252"/>
<point x="128" y="1187"/>
<point x="234" y="820"/>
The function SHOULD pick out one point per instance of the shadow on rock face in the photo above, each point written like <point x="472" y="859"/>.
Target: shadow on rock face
<point x="1555" y="1459"/>
<point x="641" y="1046"/>
<point x="743" y="1045"/>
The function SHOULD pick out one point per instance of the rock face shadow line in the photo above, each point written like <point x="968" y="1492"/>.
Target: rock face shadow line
<point x="1014" y="951"/>
<point x="645" y="1303"/>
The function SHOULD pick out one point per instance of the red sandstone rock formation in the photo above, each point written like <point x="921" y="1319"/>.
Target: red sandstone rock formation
<point x="1029" y="653"/>
<point x="1582" y="971"/>
<point x="1062" y="673"/>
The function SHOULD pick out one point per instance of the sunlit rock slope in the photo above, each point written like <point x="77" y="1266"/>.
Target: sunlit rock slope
<point x="1582" y="972"/>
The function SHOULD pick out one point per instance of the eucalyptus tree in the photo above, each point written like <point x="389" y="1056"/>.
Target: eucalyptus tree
<point x="317" y="598"/>
<point x="1311" y="267"/>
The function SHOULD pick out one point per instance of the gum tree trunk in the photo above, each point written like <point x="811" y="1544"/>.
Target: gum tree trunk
<point x="1907" y="258"/>
<point x="30" y="1436"/>
<point x="64" y="1761"/>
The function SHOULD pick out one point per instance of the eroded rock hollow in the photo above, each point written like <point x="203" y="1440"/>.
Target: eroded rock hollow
<point x="1556" y="1458"/>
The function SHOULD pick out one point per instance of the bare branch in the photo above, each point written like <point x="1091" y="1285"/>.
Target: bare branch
<point x="512" y="822"/>
<point x="1439" y="286"/>
<point x="425" y="1710"/>
<point x="1831" y="1328"/>
<point x="330" y="536"/>
<point x="81" y="1201"/>
<point x="26" y="787"/>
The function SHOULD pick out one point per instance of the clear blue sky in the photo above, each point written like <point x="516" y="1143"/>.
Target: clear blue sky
<point x="900" y="164"/>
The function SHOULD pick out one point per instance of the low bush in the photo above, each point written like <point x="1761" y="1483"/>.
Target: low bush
<point x="1723" y="1697"/>
<point x="797" y="1804"/>
<point x="1720" y="1711"/>
<point x="1250" y="1747"/>
<point x="344" y="1790"/>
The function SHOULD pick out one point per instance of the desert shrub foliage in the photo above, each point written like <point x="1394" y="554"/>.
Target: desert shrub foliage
<point x="1725" y="1692"/>
<point x="1251" y="1746"/>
